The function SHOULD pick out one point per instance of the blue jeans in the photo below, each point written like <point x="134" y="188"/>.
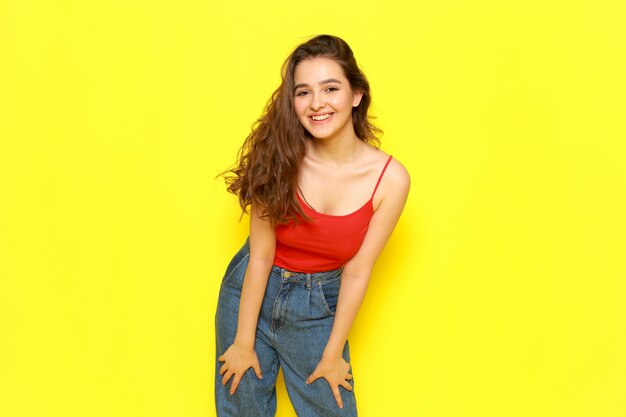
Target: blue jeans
<point x="294" y="324"/>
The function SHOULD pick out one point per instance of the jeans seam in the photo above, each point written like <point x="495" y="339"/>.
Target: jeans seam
<point x="320" y="287"/>
<point x="230" y="274"/>
<point x="274" y="326"/>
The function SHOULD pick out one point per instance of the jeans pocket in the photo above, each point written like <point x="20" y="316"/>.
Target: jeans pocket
<point x="238" y="261"/>
<point x="329" y="293"/>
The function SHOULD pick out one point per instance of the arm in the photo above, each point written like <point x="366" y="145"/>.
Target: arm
<point x="394" y="191"/>
<point x="240" y="356"/>
<point x="262" y="251"/>
<point x="357" y="271"/>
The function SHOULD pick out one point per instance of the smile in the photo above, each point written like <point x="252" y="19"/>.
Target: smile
<point x="321" y="117"/>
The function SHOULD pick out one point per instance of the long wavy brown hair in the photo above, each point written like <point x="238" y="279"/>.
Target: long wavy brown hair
<point x="266" y="171"/>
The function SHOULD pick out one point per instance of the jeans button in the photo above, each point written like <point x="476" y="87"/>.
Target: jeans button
<point x="287" y="274"/>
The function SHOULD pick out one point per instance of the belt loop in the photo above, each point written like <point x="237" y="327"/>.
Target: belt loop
<point x="308" y="281"/>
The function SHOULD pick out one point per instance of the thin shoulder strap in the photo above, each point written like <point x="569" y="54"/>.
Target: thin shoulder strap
<point x="381" y="175"/>
<point x="303" y="197"/>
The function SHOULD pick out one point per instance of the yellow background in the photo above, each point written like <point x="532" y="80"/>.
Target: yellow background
<point x="501" y="293"/>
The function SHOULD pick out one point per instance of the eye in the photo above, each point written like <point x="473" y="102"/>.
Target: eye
<point x="301" y="93"/>
<point x="332" y="89"/>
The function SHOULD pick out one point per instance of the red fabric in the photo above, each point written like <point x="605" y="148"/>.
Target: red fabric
<point x="327" y="242"/>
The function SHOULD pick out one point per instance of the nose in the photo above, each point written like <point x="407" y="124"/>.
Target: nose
<point x="316" y="101"/>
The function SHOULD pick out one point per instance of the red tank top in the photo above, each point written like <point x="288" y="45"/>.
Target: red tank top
<point x="325" y="243"/>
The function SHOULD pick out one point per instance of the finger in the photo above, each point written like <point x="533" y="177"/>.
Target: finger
<point x="223" y="369"/>
<point x="337" y="396"/>
<point x="227" y="376"/>
<point x="346" y="385"/>
<point x="312" y="377"/>
<point x="235" y="384"/>
<point x="257" y="370"/>
<point x="221" y="358"/>
<point x="348" y="377"/>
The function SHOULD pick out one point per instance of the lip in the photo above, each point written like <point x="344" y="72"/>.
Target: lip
<point x="320" y="122"/>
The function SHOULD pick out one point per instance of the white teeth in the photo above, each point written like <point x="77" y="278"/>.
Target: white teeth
<point x="322" y="117"/>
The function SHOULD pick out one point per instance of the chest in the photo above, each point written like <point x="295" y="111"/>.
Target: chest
<point x="336" y="192"/>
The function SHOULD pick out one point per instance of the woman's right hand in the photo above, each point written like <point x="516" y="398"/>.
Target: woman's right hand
<point x="237" y="360"/>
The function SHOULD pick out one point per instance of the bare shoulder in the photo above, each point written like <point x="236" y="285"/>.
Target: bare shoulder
<point x="396" y="176"/>
<point x="395" y="183"/>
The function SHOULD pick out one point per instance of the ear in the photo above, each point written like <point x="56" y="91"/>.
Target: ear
<point x="356" y="98"/>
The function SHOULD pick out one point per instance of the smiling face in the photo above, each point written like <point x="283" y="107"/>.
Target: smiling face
<point x="323" y="98"/>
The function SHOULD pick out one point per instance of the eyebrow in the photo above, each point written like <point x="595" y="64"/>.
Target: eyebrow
<point x="327" y="81"/>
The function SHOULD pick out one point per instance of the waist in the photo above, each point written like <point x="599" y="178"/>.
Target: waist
<point x="305" y="278"/>
<point x="300" y="277"/>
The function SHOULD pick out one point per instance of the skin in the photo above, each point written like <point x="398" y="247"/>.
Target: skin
<point x="335" y="155"/>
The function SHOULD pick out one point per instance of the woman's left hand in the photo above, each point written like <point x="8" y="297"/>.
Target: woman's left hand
<point x="335" y="372"/>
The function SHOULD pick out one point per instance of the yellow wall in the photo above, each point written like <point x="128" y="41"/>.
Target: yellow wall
<point x="501" y="293"/>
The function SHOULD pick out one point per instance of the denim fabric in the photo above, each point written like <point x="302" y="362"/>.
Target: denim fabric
<point x="294" y="324"/>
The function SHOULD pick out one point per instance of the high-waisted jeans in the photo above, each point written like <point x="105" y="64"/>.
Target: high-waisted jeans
<point x="294" y="324"/>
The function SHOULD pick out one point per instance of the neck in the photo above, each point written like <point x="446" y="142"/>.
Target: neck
<point x="339" y="152"/>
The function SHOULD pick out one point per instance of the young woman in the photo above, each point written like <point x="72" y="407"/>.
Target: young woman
<point x="323" y="203"/>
